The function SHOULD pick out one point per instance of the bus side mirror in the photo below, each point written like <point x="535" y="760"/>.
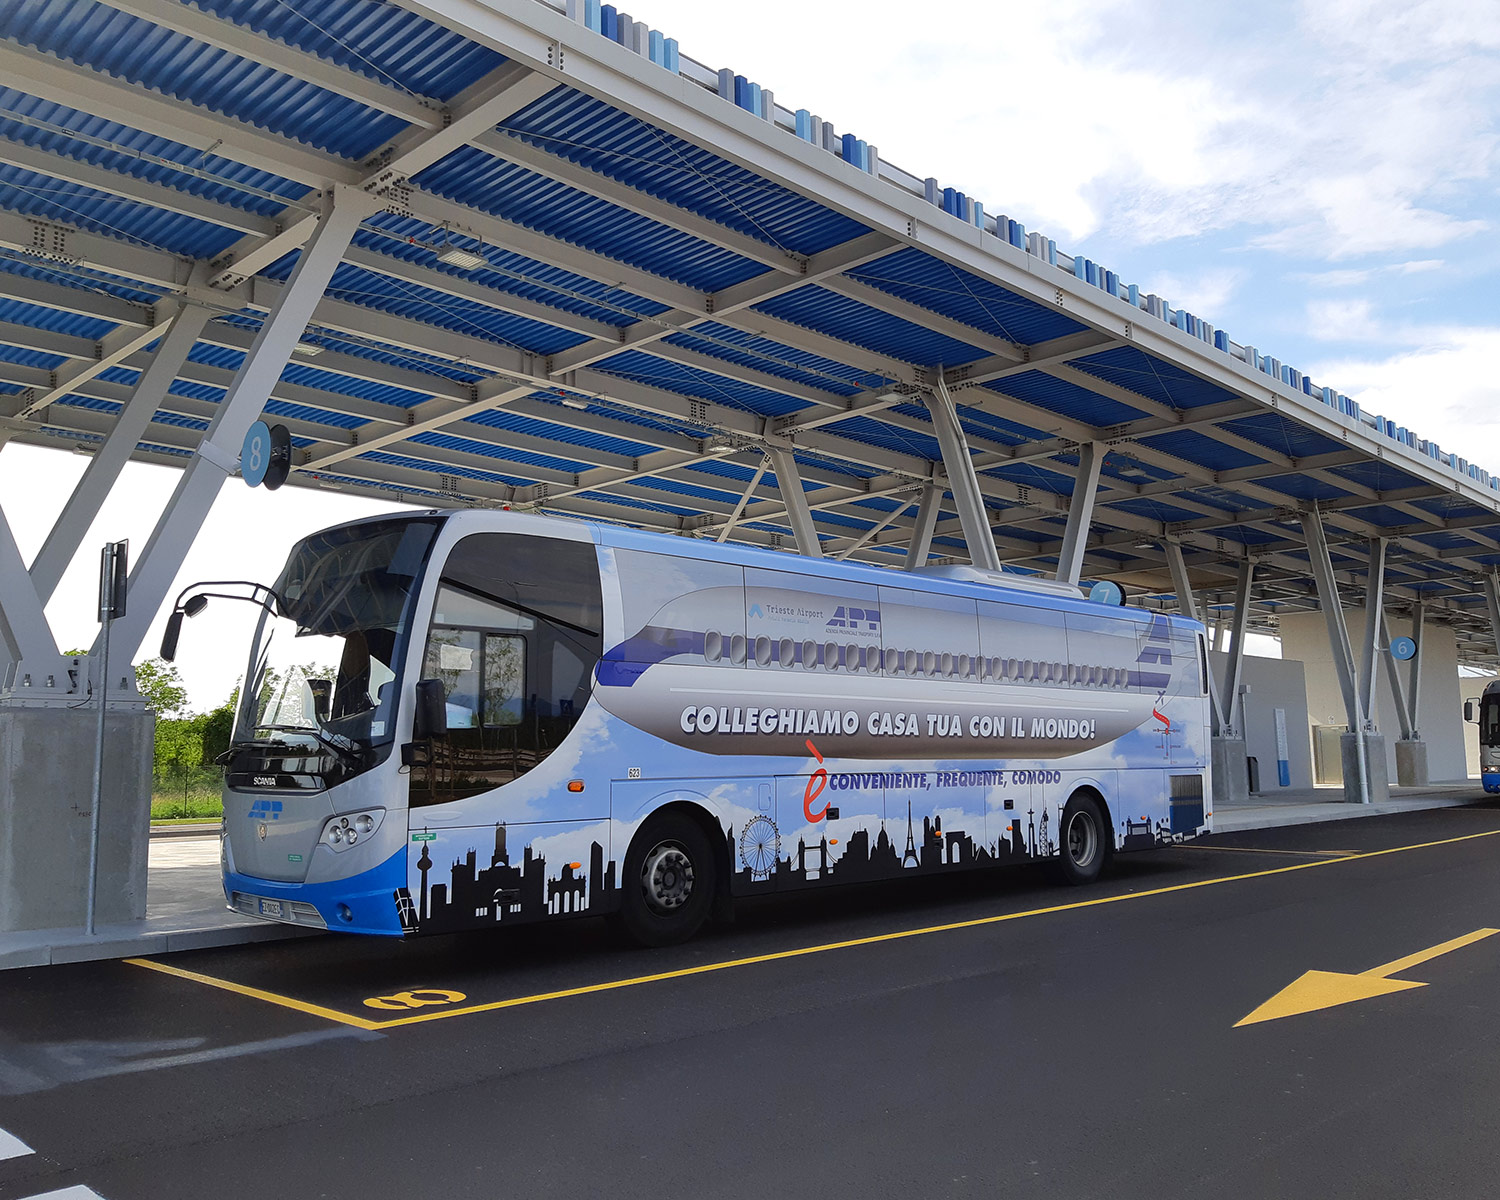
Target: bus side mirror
<point x="430" y="718"/>
<point x="170" y="635"/>
<point x="322" y="697"/>
<point x="1468" y="710"/>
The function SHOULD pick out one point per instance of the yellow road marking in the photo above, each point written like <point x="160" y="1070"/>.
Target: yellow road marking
<point x="1421" y="956"/>
<point x="227" y="985"/>
<point x="1314" y="990"/>
<point x="779" y="955"/>
<point x="1254" y="850"/>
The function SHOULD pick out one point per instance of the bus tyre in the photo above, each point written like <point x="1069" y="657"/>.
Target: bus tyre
<point x="668" y="886"/>
<point x="1085" y="841"/>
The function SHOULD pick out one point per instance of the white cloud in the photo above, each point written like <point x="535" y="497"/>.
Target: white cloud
<point x="1346" y="278"/>
<point x="1205" y="294"/>
<point x="1443" y="385"/>
<point x="1343" y="320"/>
<point x="1364" y="129"/>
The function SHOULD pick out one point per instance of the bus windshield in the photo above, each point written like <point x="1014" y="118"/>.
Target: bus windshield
<point x="1489" y="721"/>
<point x="322" y="669"/>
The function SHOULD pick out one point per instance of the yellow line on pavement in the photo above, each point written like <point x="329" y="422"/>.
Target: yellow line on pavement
<point x="1255" y="850"/>
<point x="899" y="935"/>
<point x="228" y="985"/>
<point x="1421" y="956"/>
<point x="779" y="955"/>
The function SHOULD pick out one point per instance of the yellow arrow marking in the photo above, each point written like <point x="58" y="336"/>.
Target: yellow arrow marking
<point x="1325" y="989"/>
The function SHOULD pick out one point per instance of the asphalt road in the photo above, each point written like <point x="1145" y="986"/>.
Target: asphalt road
<point x="994" y="1035"/>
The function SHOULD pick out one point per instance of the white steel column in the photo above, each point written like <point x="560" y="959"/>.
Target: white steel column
<point x="869" y="534"/>
<point x="1405" y="702"/>
<point x="1354" y="744"/>
<point x="1188" y="603"/>
<point x="739" y="509"/>
<point x="218" y="454"/>
<point x="1080" y="511"/>
<point x="920" y="545"/>
<point x="25" y="637"/>
<point x="1333" y="615"/>
<point x="1231" y="704"/>
<point x="789" y="480"/>
<point x="1374" y="614"/>
<point x="962" y="478"/>
<point x="130" y="426"/>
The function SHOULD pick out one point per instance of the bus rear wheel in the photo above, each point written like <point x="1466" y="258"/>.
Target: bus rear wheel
<point x="1085" y="841"/>
<point x="668" y="884"/>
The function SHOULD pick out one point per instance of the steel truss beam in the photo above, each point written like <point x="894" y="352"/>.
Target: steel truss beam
<point x="218" y="453"/>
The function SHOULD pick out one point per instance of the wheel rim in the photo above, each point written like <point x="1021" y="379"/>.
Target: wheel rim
<point x="1082" y="839"/>
<point x="667" y="878"/>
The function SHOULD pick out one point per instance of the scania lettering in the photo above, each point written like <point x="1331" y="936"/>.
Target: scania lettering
<point x="485" y="718"/>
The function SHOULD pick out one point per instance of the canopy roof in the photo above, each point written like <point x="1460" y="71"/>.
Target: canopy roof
<point x="604" y="278"/>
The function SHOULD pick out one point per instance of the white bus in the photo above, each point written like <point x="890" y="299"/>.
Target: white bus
<point x="1488" y="717"/>
<point x="524" y="718"/>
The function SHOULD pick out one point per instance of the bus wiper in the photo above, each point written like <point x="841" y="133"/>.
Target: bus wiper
<point x="336" y="742"/>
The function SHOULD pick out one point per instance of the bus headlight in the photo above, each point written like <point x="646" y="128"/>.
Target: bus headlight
<point x="344" y="831"/>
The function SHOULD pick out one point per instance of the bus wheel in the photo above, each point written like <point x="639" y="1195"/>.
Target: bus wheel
<point x="668" y="883"/>
<point x="1084" y="840"/>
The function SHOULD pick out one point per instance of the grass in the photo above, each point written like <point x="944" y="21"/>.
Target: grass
<point x="193" y="797"/>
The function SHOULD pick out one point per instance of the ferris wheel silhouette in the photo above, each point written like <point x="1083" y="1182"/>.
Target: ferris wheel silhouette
<point x="760" y="846"/>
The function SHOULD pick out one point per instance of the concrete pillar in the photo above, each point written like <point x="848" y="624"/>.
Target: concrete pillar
<point x="1411" y="763"/>
<point x="45" y="790"/>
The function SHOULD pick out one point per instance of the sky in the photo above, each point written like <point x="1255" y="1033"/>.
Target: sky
<point x="1321" y="180"/>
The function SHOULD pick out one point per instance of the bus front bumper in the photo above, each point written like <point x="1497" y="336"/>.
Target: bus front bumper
<point x="365" y="903"/>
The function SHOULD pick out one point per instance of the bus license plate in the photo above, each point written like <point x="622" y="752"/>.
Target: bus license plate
<point x="270" y="908"/>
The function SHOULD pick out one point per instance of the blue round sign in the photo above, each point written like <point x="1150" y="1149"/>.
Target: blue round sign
<point x="1403" y="648"/>
<point x="1106" y="592"/>
<point x="255" y="454"/>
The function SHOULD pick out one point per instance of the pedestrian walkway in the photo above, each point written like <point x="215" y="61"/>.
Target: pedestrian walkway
<point x="1304" y="806"/>
<point x="184" y="911"/>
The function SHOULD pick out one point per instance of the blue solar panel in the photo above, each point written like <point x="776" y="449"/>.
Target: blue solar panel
<point x="1152" y="377"/>
<point x="137" y="224"/>
<point x="163" y="60"/>
<point x="604" y="139"/>
<point x="861" y="325"/>
<point x="920" y="278"/>
<point x="762" y="354"/>
<point x="372" y="37"/>
<point x="1275" y="432"/>
<point x="1201" y="450"/>
<point x="370" y="289"/>
<point x="116" y="147"/>
<point x="479" y="180"/>
<point x="1064" y="398"/>
<point x="695" y="381"/>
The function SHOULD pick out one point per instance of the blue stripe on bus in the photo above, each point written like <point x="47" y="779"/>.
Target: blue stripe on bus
<point x="370" y="895"/>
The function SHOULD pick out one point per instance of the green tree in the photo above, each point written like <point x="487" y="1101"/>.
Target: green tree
<point x="161" y="684"/>
<point x="217" y="729"/>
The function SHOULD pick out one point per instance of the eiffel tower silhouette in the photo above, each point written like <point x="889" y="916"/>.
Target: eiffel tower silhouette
<point x="911" y="846"/>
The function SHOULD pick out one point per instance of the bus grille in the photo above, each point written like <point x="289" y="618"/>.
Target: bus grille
<point x="294" y="912"/>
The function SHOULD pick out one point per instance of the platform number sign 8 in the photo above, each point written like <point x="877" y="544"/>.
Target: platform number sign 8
<point x="266" y="456"/>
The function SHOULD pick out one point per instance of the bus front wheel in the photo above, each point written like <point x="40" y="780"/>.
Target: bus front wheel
<point x="668" y="883"/>
<point x="1085" y="841"/>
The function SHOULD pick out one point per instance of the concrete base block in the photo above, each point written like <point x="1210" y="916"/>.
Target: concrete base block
<point x="1411" y="764"/>
<point x="1231" y="782"/>
<point x="46" y="784"/>
<point x="1376" y="774"/>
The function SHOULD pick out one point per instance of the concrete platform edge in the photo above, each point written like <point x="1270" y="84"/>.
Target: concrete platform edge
<point x="60" y="946"/>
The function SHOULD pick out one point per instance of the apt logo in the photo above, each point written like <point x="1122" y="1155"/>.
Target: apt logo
<point x="266" y="810"/>
<point x="851" y="618"/>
